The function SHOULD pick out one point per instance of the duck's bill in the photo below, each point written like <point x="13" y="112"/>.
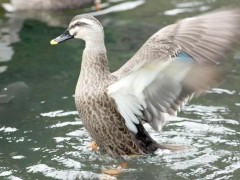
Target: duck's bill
<point x="64" y="37"/>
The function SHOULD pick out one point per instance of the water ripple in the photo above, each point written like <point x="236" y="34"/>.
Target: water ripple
<point x="66" y="124"/>
<point x="8" y="129"/>
<point x="221" y="91"/>
<point x="59" y="113"/>
<point x="48" y="171"/>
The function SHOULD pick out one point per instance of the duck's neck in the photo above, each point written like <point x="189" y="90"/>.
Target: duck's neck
<point x="94" y="62"/>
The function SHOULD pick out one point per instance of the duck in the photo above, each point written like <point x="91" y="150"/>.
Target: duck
<point x="21" y="5"/>
<point x="178" y="62"/>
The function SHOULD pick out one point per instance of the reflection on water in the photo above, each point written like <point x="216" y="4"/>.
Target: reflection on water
<point x="41" y="135"/>
<point x="120" y="7"/>
<point x="6" y="52"/>
<point x="187" y="7"/>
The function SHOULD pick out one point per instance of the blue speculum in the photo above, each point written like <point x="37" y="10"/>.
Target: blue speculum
<point x="184" y="57"/>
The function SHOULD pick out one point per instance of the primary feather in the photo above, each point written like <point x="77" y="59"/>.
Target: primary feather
<point x="206" y="38"/>
<point x="165" y="86"/>
<point x="203" y="39"/>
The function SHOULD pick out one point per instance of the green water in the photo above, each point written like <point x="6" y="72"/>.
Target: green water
<point x="41" y="136"/>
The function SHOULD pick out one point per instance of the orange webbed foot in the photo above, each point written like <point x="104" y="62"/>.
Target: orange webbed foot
<point x="93" y="146"/>
<point x="116" y="171"/>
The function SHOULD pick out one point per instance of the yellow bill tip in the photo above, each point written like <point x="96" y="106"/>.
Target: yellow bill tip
<point x="53" y="42"/>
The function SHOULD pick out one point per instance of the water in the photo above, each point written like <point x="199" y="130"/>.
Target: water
<point x="41" y="136"/>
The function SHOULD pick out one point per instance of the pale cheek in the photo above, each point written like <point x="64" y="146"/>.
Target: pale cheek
<point x="82" y="34"/>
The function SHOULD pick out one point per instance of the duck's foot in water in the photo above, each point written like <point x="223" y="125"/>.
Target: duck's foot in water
<point x="116" y="171"/>
<point x="93" y="146"/>
<point x="122" y="167"/>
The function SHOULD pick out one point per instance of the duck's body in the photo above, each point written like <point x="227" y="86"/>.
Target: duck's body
<point x="20" y="5"/>
<point x="97" y="111"/>
<point x="155" y="82"/>
<point x="114" y="139"/>
<point x="93" y="104"/>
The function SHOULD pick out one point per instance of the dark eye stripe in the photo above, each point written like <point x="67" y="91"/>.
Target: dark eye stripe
<point x="78" y="24"/>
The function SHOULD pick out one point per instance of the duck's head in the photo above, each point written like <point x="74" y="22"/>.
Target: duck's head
<point x="84" y="27"/>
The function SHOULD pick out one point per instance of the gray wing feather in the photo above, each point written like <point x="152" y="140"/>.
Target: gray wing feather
<point x="206" y="38"/>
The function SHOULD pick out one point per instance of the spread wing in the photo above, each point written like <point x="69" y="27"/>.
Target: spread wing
<point x="206" y="38"/>
<point x="171" y="67"/>
<point x="159" y="88"/>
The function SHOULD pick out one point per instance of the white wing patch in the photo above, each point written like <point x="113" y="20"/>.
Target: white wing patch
<point x="128" y="93"/>
<point x="157" y="89"/>
<point x="129" y="109"/>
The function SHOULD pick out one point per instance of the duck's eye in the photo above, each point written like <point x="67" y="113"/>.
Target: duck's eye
<point x="78" y="24"/>
<point x="81" y="24"/>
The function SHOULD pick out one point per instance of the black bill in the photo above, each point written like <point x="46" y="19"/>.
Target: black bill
<point x="65" y="36"/>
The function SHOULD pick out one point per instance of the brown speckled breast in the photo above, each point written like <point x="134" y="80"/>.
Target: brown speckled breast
<point x="97" y="111"/>
<point x="103" y="122"/>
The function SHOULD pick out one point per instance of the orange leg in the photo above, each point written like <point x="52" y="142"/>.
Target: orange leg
<point x="118" y="170"/>
<point x="93" y="146"/>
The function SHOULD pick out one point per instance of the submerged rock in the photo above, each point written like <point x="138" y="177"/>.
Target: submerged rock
<point x="17" y="91"/>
